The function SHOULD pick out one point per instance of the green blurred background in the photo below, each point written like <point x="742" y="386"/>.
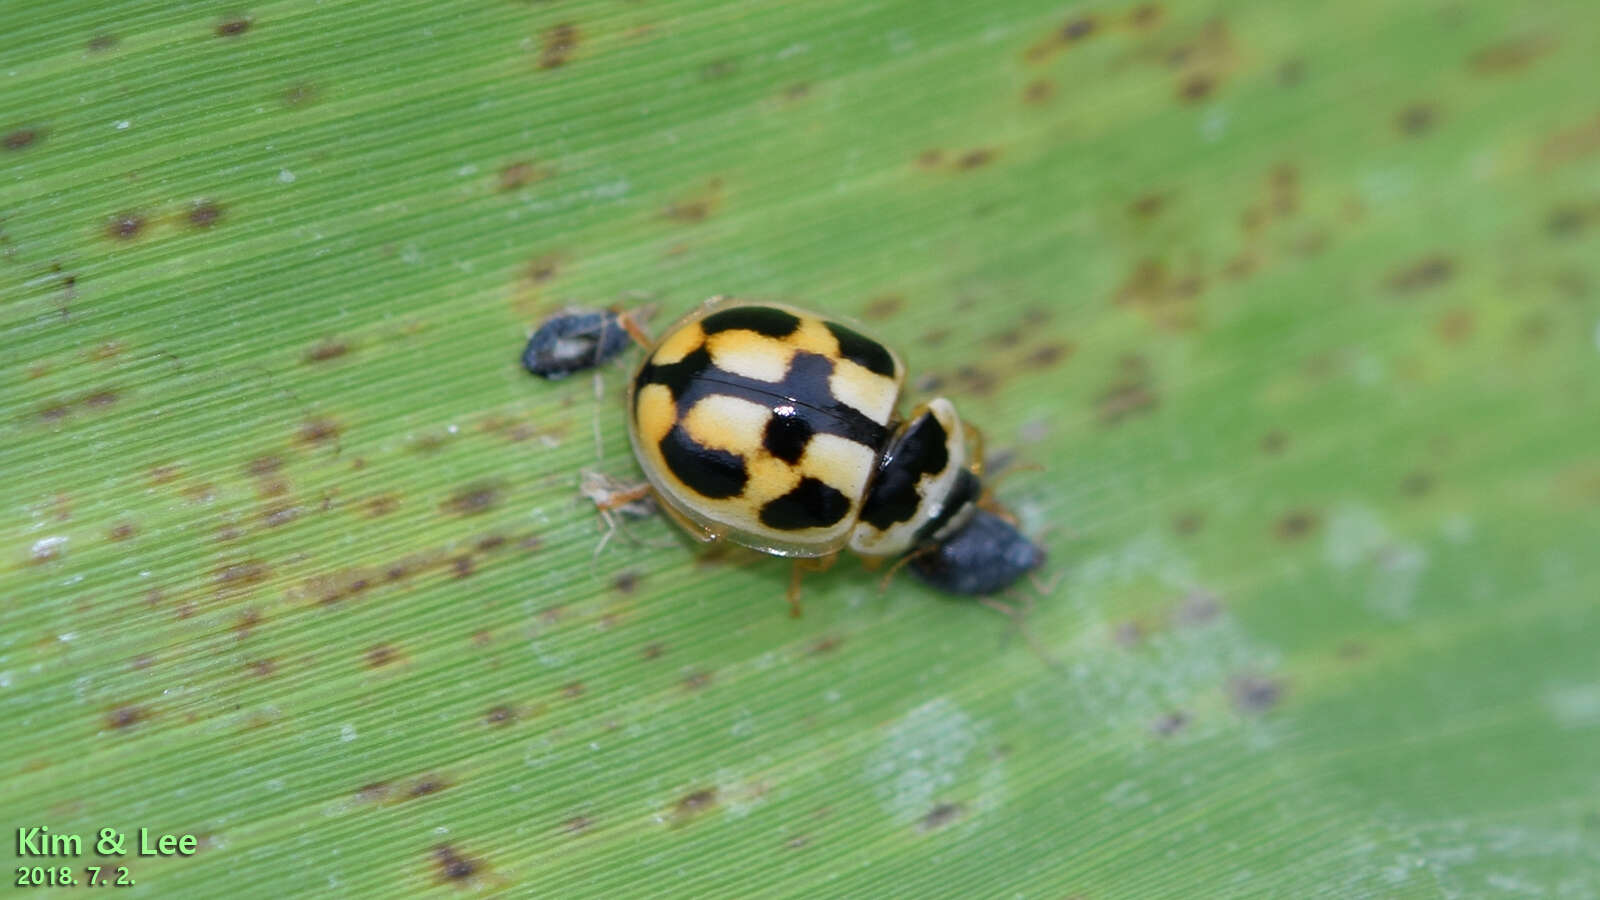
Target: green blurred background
<point x="1288" y="315"/>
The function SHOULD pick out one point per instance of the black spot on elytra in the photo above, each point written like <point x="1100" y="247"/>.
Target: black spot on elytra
<point x="1419" y="275"/>
<point x="862" y="350"/>
<point x="560" y="42"/>
<point x="811" y="504"/>
<point x="1255" y="694"/>
<point x="940" y="816"/>
<point x="1295" y="524"/>
<point x="786" y="437"/>
<point x="473" y="499"/>
<point x="234" y="27"/>
<point x="452" y="866"/>
<point x="804" y="388"/>
<point x="1416" y="120"/>
<point x="20" y="139"/>
<point x="322" y="351"/>
<point x="712" y="473"/>
<point x="125" y="226"/>
<point x="766" y="320"/>
<point x="204" y="214"/>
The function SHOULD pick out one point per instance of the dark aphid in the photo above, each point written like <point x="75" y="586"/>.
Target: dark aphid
<point x="986" y="556"/>
<point x="574" y="340"/>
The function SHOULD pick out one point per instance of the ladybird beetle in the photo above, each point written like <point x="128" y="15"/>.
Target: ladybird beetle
<point x="776" y="428"/>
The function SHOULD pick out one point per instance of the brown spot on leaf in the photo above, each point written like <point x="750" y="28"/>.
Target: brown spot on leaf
<point x="125" y="226"/>
<point x="574" y="690"/>
<point x="1189" y="522"/>
<point x="262" y="668"/>
<point x="126" y="716"/>
<point x="473" y="499"/>
<point x="1416" y="484"/>
<point x="1049" y="355"/>
<point x="824" y="645"/>
<point x="234" y="27"/>
<point x="1256" y="694"/>
<point x="1509" y="56"/>
<point x="500" y="715"/>
<point x="697" y="680"/>
<point x="1198" y="608"/>
<point x="326" y="350"/>
<point x="882" y="307"/>
<point x="462" y="566"/>
<point x="697" y="801"/>
<point x="976" y="380"/>
<point x="1571" y="144"/>
<point x="559" y="44"/>
<point x="1128" y="635"/>
<point x="381" y="655"/>
<point x="1419" y="275"/>
<point x="318" y="431"/>
<point x="490" y="542"/>
<point x="1170" y="724"/>
<point x="20" y="139"/>
<point x="1148" y="206"/>
<point x="974" y="159"/>
<point x="1077" y="29"/>
<point x="1291" y="72"/>
<point x="452" y="867"/>
<point x="121" y="531"/>
<point x="100" y="43"/>
<point x="1146" y="16"/>
<point x="1039" y="91"/>
<point x="653" y="651"/>
<point x="1455" y="326"/>
<point x="1571" y="219"/>
<point x="247" y="622"/>
<point x="718" y="69"/>
<point x="428" y="784"/>
<point x="577" y="824"/>
<point x="626" y="582"/>
<point x="382" y="505"/>
<point x="204" y="214"/>
<point x="544" y="268"/>
<point x="1295" y="524"/>
<point x="297" y="95"/>
<point x="940" y="816"/>
<point x="520" y="174"/>
<point x="242" y="574"/>
<point x="1125" y="399"/>
<point x="262" y="466"/>
<point x="1274" y="443"/>
<point x="100" y="399"/>
<point x="930" y="159"/>
<point x="1169" y="303"/>
<point x="1416" y="120"/>
<point x="1196" y="87"/>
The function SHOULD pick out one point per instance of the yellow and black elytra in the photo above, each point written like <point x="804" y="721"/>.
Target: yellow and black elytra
<point x="776" y="428"/>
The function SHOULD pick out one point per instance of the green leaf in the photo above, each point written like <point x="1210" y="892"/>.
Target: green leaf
<point x="1286" y="314"/>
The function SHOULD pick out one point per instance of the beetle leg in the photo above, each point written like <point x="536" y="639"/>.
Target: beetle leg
<point x="802" y="565"/>
<point x="630" y="324"/>
<point x="901" y="563"/>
